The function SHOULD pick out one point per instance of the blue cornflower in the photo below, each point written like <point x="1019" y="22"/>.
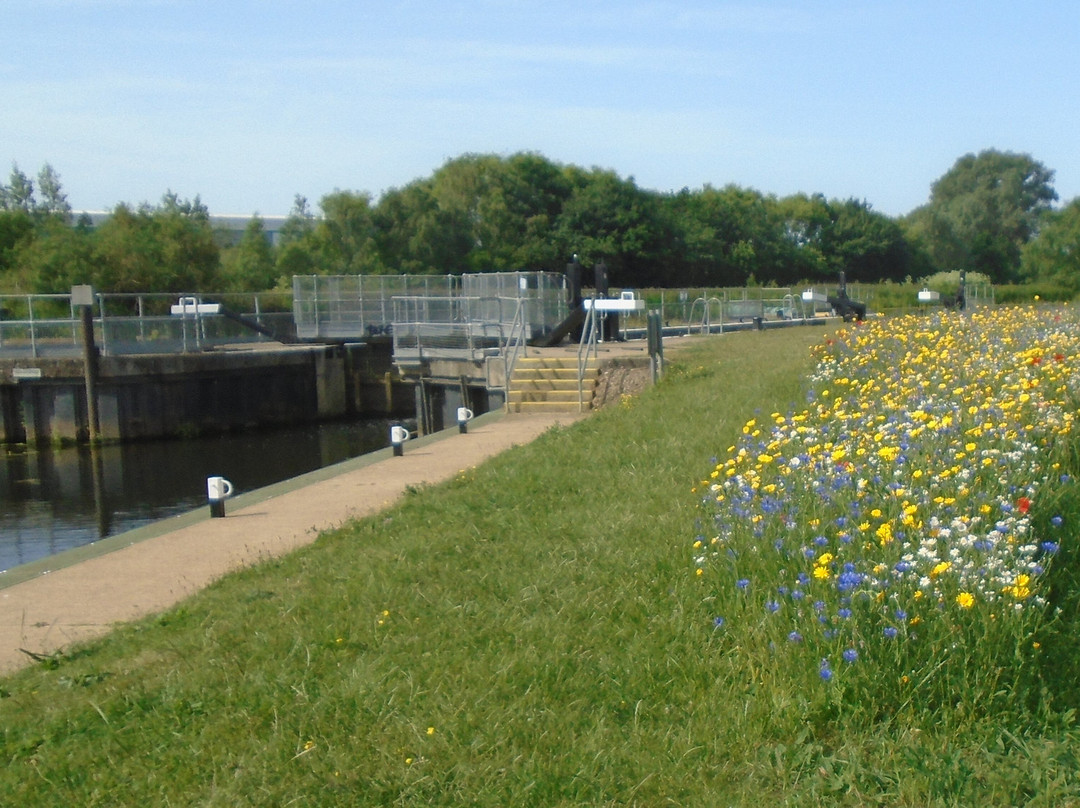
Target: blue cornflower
<point x="718" y="622"/>
<point x="797" y="594"/>
<point x="794" y="637"/>
<point x="819" y="605"/>
<point x="742" y="583"/>
<point x="850" y="655"/>
<point x="782" y="591"/>
<point x="820" y="541"/>
<point x="900" y="614"/>
<point x="1056" y="521"/>
<point x="825" y="672"/>
<point x="1050" y="547"/>
<point x="773" y="606"/>
<point x="890" y="632"/>
<point x="844" y="614"/>
<point x="849" y="579"/>
<point x="803" y="578"/>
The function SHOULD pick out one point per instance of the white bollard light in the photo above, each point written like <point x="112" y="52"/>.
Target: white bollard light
<point x="398" y="436"/>
<point x="218" y="489"/>
<point x="464" y="415"/>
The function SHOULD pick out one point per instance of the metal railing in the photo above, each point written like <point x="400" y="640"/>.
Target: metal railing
<point x="358" y="306"/>
<point x="586" y="348"/>
<point x="362" y="306"/>
<point x="515" y="346"/>
<point x="49" y="325"/>
<point x="451" y="327"/>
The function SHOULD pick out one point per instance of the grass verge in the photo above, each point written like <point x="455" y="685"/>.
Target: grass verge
<point x="530" y="633"/>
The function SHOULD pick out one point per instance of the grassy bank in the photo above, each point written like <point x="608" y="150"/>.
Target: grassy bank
<point x="531" y="633"/>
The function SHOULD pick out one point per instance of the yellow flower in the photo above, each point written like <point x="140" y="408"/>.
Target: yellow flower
<point x="1021" y="589"/>
<point x="965" y="600"/>
<point x="884" y="533"/>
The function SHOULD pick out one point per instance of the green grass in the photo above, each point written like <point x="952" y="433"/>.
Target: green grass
<point x="531" y="633"/>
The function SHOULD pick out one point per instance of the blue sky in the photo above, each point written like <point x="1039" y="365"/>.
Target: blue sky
<point x="249" y="103"/>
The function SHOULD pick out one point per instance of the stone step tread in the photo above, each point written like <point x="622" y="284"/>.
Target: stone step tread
<point x="538" y="371"/>
<point x="552" y="396"/>
<point x="565" y="376"/>
<point x="549" y="384"/>
<point x="545" y="406"/>
<point x="557" y="360"/>
<point x="554" y="369"/>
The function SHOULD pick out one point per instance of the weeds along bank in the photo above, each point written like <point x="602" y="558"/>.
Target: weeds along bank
<point x="535" y="632"/>
<point x="905" y="541"/>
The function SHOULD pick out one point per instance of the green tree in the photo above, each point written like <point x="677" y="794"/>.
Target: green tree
<point x="344" y="238"/>
<point x="36" y="252"/>
<point x="536" y="190"/>
<point x="415" y="234"/>
<point x="294" y="252"/>
<point x="16" y="230"/>
<point x="864" y="244"/>
<point x="58" y="257"/>
<point x="504" y="207"/>
<point x="54" y="202"/>
<point x="18" y="194"/>
<point x="983" y="211"/>
<point x="722" y="236"/>
<point x="170" y="248"/>
<point x="803" y="222"/>
<point x="1054" y="256"/>
<point x="610" y="219"/>
<point x="250" y="265"/>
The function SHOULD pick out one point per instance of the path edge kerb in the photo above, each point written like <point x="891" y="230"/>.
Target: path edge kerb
<point x="68" y="558"/>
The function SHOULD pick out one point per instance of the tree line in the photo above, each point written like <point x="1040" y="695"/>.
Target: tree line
<point x="990" y="212"/>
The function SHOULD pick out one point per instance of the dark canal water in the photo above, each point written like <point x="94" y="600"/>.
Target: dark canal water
<point x="57" y="499"/>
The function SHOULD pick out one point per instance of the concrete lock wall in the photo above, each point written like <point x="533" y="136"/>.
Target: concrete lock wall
<point x="179" y="395"/>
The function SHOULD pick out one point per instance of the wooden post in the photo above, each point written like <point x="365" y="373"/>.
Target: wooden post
<point x="83" y="297"/>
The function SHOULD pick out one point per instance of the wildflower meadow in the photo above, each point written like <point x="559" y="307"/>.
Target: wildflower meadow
<point x="893" y="543"/>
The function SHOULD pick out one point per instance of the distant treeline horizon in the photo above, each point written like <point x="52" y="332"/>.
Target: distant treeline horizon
<point x="989" y="213"/>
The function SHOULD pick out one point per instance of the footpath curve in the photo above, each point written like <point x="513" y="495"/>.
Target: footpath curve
<point x="76" y="596"/>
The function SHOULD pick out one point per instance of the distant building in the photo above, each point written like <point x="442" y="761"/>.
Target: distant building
<point x="229" y="228"/>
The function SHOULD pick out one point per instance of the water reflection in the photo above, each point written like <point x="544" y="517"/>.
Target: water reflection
<point x="54" y="500"/>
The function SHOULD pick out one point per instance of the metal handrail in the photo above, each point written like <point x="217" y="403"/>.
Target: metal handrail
<point x="512" y="348"/>
<point x="585" y="347"/>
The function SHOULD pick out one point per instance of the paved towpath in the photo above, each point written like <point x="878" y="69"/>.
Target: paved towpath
<point x="48" y="605"/>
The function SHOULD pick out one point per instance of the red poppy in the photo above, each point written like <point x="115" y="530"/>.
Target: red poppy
<point x="1023" y="504"/>
<point x="1036" y="360"/>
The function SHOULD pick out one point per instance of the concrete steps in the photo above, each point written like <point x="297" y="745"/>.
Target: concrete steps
<point x="550" y="384"/>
